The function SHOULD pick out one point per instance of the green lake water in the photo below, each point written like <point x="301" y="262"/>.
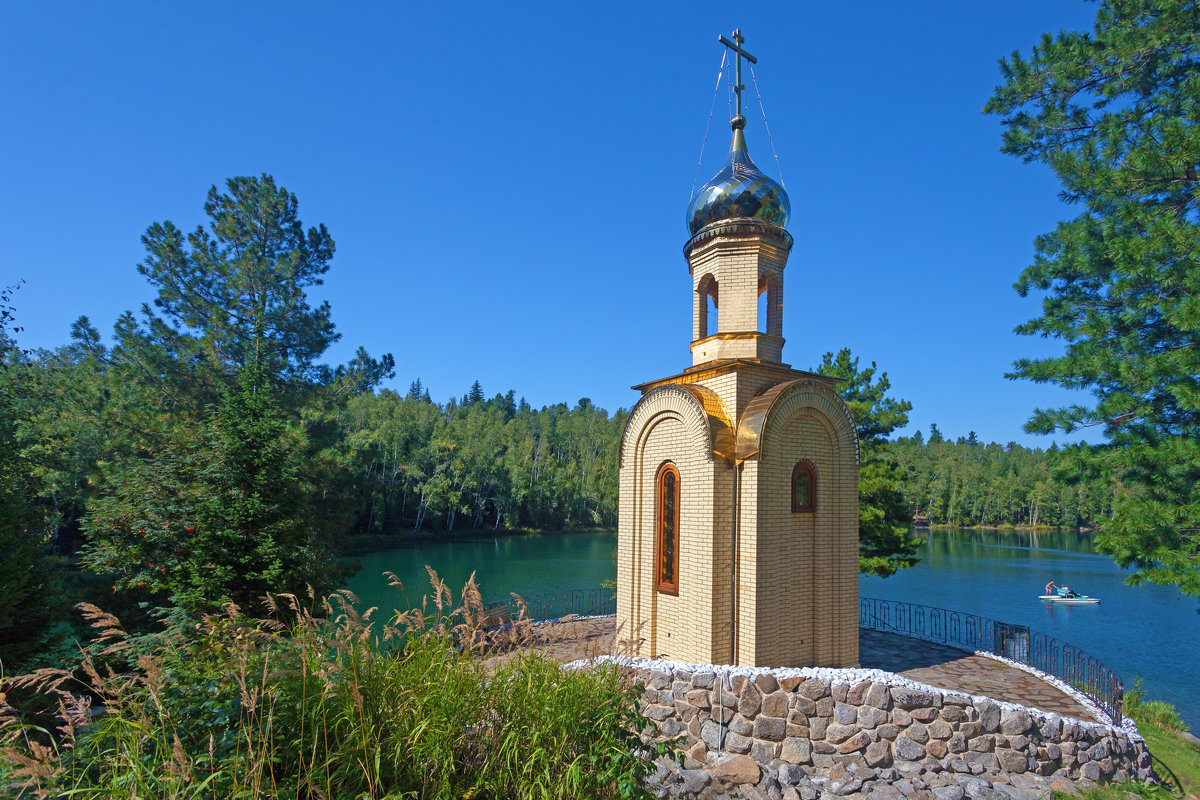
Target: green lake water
<point x="1148" y="632"/>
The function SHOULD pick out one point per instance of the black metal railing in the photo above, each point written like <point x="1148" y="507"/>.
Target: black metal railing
<point x="554" y="605"/>
<point x="1066" y="662"/>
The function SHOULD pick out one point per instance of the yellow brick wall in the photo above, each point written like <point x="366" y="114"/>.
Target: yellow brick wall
<point x="807" y="562"/>
<point x="667" y="426"/>
<point x="738" y="265"/>
<point x="797" y="583"/>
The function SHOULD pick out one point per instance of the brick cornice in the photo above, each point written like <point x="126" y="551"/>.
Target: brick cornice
<point x="739" y="229"/>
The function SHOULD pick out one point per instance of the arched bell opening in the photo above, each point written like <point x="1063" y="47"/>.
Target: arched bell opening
<point x="770" y="304"/>
<point x="707" y="305"/>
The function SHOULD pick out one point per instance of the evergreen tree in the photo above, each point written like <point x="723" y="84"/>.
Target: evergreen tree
<point x="228" y="418"/>
<point x="220" y="514"/>
<point x="1116" y="115"/>
<point x="415" y="390"/>
<point x="885" y="543"/>
<point x="235" y="292"/>
<point x="30" y="596"/>
<point x="475" y="395"/>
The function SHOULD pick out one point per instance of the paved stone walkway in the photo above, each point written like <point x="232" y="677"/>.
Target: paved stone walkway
<point x="933" y="664"/>
<point x="951" y="668"/>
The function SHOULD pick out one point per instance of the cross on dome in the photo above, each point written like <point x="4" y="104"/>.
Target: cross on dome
<point x="739" y="190"/>
<point x="741" y="53"/>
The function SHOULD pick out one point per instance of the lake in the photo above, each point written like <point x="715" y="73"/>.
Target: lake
<point x="1148" y="631"/>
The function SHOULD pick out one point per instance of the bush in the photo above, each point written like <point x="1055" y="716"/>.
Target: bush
<point x="330" y="705"/>
<point x="1152" y="712"/>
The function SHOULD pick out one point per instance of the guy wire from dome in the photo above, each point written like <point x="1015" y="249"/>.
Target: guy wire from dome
<point x="739" y="190"/>
<point x="707" y="125"/>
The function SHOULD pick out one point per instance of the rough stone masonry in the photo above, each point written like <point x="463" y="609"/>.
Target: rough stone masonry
<point x="791" y="733"/>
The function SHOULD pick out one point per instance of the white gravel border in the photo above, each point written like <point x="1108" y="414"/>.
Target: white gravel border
<point x="856" y="675"/>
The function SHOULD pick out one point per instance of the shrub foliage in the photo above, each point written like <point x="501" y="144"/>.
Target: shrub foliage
<point x="327" y="705"/>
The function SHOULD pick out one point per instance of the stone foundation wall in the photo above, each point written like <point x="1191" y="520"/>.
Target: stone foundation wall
<point x="820" y="719"/>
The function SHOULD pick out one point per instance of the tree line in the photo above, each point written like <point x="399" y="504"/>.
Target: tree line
<point x="968" y="483"/>
<point x="475" y="462"/>
<point x="498" y="463"/>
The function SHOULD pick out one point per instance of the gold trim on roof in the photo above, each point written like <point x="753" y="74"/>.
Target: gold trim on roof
<point x="758" y="410"/>
<point x="711" y="369"/>
<point x="716" y="427"/>
<point x="749" y="429"/>
<point x="739" y="335"/>
<point x="720" y="426"/>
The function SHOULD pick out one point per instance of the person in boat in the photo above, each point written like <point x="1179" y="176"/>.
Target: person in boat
<point x="1065" y="591"/>
<point x="1050" y="587"/>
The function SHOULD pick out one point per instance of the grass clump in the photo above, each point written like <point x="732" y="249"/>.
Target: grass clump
<point x="325" y="706"/>
<point x="1176" y="760"/>
<point x="1152" y="712"/>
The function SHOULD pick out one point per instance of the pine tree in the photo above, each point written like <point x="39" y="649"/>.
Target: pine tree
<point x="884" y="541"/>
<point x="1116" y="115"/>
<point x="30" y="596"/>
<point x="236" y="291"/>
<point x="226" y="411"/>
<point x="475" y="395"/>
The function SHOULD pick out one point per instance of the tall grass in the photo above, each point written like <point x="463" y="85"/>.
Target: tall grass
<point x="1152" y="712"/>
<point x="323" y="706"/>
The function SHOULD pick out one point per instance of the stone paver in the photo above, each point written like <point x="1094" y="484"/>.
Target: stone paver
<point x="952" y="668"/>
<point x="927" y="662"/>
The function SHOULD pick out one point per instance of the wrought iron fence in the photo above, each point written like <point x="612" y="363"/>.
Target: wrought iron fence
<point x="553" y="605"/>
<point x="1076" y="667"/>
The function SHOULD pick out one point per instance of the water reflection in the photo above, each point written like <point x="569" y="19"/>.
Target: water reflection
<point x="527" y="565"/>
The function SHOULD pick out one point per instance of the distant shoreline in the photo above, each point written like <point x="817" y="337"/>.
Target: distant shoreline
<point x="1046" y="528"/>
<point x="373" y="543"/>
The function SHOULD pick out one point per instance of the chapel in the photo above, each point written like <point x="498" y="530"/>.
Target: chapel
<point x="738" y="512"/>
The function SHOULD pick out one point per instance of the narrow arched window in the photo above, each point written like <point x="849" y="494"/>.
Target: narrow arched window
<point x="666" y="523"/>
<point x="804" y="488"/>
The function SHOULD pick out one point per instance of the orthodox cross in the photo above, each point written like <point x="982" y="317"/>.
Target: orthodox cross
<point x="737" y="48"/>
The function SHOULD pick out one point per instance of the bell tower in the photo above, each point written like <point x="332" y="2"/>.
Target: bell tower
<point x="733" y="264"/>
<point x="731" y="271"/>
<point x="738" y="514"/>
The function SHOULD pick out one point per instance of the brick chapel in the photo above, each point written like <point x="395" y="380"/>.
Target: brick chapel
<point x="738" y="517"/>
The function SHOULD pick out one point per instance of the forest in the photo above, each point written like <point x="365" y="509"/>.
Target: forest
<point x="471" y="463"/>
<point x="966" y="483"/>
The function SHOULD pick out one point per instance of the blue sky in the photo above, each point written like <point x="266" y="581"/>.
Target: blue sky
<point x="506" y="183"/>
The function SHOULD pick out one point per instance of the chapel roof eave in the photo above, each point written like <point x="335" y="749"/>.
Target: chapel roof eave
<point x="748" y="436"/>
<point x="717" y="428"/>
<point x="711" y="369"/>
